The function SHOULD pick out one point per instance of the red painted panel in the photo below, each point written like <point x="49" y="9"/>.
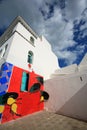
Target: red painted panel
<point x="16" y="78"/>
<point x="27" y="102"/>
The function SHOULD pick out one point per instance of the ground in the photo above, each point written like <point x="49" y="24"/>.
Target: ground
<point x="44" y="120"/>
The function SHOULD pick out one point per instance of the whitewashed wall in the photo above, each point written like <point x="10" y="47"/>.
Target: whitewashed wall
<point x="23" y="31"/>
<point x="68" y="95"/>
<point x="18" y="52"/>
<point x="45" y="61"/>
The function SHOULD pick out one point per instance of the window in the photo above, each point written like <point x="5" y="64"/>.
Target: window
<point x="30" y="57"/>
<point x="2" y="52"/>
<point x="32" y="39"/>
<point x="25" y="80"/>
<point x="5" y="48"/>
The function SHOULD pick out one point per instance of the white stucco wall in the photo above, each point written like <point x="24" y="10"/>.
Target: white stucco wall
<point x="45" y="61"/>
<point x="19" y="51"/>
<point x="68" y="95"/>
<point x="23" y="31"/>
<point x="66" y="70"/>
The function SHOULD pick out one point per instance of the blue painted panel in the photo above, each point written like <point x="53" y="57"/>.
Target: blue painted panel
<point x="5" y="73"/>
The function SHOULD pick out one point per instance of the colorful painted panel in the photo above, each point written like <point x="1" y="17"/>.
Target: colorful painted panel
<point x="22" y="94"/>
<point x="5" y="73"/>
<point x="19" y="102"/>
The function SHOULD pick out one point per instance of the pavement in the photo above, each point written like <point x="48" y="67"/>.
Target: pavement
<point x="44" y="120"/>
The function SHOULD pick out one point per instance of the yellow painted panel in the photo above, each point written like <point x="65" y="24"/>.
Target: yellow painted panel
<point x="1" y="108"/>
<point x="10" y="101"/>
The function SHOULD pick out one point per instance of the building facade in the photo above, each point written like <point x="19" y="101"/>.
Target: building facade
<point x="20" y="41"/>
<point x="26" y="60"/>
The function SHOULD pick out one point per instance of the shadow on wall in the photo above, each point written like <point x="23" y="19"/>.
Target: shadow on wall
<point x="76" y="106"/>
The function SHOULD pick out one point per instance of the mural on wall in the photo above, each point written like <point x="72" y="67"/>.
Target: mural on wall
<point x="5" y="73"/>
<point x="21" y="92"/>
<point x="9" y="99"/>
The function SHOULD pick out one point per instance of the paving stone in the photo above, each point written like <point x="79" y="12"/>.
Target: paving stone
<point x="44" y="120"/>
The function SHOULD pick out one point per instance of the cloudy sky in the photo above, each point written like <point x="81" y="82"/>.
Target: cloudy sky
<point x="62" y="22"/>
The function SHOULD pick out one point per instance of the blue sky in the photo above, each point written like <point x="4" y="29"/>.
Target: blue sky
<point x="62" y="22"/>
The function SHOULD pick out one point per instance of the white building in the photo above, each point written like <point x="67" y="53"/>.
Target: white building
<point x="67" y="87"/>
<point x="19" y="42"/>
<point x="68" y="91"/>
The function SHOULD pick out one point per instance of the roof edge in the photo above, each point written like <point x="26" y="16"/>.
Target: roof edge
<point x="12" y="25"/>
<point x="20" y="19"/>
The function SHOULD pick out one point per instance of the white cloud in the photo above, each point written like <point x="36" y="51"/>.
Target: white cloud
<point x="80" y="48"/>
<point x="74" y="8"/>
<point x="68" y="56"/>
<point x="58" y="31"/>
<point x="60" y="34"/>
<point x="55" y="29"/>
